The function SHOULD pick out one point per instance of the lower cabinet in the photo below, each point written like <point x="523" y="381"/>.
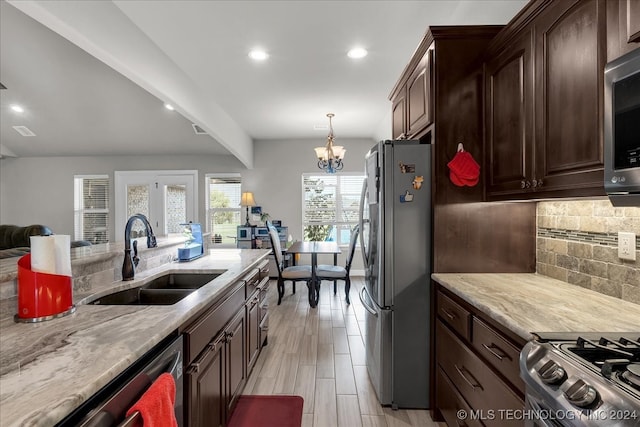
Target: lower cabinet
<point x="221" y="347"/>
<point x="477" y="381"/>
<point x="205" y="379"/>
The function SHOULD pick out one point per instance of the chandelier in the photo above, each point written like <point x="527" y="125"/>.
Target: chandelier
<point x="330" y="156"/>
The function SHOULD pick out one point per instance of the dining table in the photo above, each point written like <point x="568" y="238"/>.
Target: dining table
<point x="314" y="248"/>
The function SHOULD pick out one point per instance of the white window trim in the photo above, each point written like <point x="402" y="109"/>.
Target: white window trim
<point x="78" y="212"/>
<point x="207" y="199"/>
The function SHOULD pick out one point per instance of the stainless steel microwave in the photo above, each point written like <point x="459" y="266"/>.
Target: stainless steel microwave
<point x="622" y="129"/>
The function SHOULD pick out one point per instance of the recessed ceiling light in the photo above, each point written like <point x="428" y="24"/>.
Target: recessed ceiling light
<point x="357" y="53"/>
<point x="169" y="107"/>
<point x="258" y="55"/>
<point x="17" y="108"/>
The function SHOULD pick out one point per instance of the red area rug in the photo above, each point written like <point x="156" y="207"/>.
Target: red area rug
<point x="267" y="411"/>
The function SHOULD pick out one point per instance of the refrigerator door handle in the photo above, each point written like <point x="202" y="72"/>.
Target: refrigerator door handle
<point x="365" y="256"/>
<point x="365" y="304"/>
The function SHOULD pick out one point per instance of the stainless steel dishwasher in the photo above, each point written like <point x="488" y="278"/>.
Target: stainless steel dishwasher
<point x="108" y="407"/>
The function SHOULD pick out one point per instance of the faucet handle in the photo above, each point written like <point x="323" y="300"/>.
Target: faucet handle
<point x="151" y="241"/>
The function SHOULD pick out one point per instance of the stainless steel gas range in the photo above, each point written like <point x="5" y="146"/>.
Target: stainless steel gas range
<point x="576" y="380"/>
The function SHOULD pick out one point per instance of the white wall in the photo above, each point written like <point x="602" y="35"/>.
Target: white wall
<point x="40" y="190"/>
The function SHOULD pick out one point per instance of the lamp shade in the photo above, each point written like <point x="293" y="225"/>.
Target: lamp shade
<point x="247" y="199"/>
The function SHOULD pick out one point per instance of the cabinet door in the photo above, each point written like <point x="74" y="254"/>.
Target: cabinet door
<point x="509" y="117"/>
<point x="236" y="359"/>
<point x="570" y="55"/>
<point x="419" y="111"/>
<point x="398" y="124"/>
<point x="253" y="331"/>
<point x="205" y="382"/>
<point x="633" y="20"/>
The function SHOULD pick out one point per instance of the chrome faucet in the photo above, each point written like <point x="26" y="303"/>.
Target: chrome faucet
<point x="131" y="262"/>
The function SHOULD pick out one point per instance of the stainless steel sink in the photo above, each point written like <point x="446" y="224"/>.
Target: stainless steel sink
<point x="181" y="281"/>
<point x="164" y="290"/>
<point x="142" y="296"/>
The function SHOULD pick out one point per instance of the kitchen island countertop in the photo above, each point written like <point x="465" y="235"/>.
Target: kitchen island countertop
<point x="48" y="369"/>
<point x="526" y="303"/>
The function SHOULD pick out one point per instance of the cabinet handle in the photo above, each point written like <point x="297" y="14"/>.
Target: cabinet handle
<point x="474" y="384"/>
<point x="451" y="316"/>
<point x="194" y="368"/>
<point x="496" y="351"/>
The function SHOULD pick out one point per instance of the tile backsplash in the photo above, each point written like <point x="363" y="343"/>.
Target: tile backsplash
<point x="577" y="242"/>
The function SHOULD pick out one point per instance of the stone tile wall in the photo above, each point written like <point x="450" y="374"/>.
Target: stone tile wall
<point x="577" y="242"/>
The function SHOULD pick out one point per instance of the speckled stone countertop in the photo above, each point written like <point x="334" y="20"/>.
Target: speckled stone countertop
<point x="48" y="369"/>
<point x="528" y="303"/>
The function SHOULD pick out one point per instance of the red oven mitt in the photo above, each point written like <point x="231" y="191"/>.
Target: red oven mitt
<point x="463" y="169"/>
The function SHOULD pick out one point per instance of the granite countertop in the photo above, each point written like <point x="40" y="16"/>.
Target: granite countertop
<point x="48" y="369"/>
<point x="526" y="303"/>
<point x="89" y="254"/>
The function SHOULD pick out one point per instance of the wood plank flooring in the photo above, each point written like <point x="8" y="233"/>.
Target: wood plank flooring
<point x="319" y="354"/>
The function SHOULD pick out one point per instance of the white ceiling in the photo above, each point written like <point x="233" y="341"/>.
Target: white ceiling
<point x="194" y="54"/>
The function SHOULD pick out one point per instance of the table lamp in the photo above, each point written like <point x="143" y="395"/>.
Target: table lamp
<point x="247" y="200"/>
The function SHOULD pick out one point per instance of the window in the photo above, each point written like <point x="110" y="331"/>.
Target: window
<point x="223" y="207"/>
<point x="331" y="204"/>
<point x="91" y="208"/>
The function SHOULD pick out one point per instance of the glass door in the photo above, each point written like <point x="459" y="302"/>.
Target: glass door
<point x="166" y="198"/>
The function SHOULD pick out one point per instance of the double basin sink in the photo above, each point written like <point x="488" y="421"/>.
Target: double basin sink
<point x="163" y="290"/>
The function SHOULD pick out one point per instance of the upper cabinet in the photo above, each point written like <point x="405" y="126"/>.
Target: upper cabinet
<point x="412" y="100"/>
<point x="623" y="27"/>
<point x="543" y="106"/>
<point x="509" y="116"/>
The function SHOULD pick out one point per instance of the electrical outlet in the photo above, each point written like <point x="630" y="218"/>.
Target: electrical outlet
<point x="627" y="246"/>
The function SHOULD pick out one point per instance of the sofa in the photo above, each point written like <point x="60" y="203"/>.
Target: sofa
<point x="15" y="240"/>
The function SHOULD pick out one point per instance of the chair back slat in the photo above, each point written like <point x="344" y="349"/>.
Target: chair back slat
<point x="275" y="245"/>
<point x="352" y="246"/>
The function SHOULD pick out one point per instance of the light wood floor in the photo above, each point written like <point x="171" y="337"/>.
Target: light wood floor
<point x="319" y="354"/>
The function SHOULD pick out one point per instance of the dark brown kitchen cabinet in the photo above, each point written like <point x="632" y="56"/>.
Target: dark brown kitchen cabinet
<point x="256" y="311"/>
<point x="419" y="110"/>
<point x="398" y="116"/>
<point x="623" y="27"/>
<point x="509" y="116"/>
<point x="205" y="379"/>
<point x="476" y="365"/>
<point x="236" y="359"/>
<point x="570" y="58"/>
<point x="544" y="86"/>
<point x="412" y="101"/>
<point x="221" y="348"/>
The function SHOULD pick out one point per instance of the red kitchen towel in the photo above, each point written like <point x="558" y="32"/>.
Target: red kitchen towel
<point x="156" y="406"/>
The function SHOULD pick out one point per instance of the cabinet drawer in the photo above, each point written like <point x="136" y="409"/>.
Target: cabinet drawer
<point x="251" y="282"/>
<point x="264" y="269"/>
<point x="454" y="315"/>
<point x="199" y="334"/>
<point x="450" y="403"/>
<point x="479" y="386"/>
<point x="498" y="351"/>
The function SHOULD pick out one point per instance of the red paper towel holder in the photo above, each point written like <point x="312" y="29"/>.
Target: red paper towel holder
<point x="42" y="296"/>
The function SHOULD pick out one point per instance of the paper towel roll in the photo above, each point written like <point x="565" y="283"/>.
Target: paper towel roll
<point x="51" y="254"/>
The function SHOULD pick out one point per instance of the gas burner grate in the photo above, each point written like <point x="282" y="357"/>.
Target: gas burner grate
<point x="597" y="353"/>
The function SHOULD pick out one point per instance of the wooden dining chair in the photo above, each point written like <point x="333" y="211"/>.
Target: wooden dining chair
<point x="296" y="273"/>
<point x="336" y="272"/>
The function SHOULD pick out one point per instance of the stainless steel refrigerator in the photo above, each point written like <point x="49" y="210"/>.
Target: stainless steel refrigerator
<point x="395" y="224"/>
